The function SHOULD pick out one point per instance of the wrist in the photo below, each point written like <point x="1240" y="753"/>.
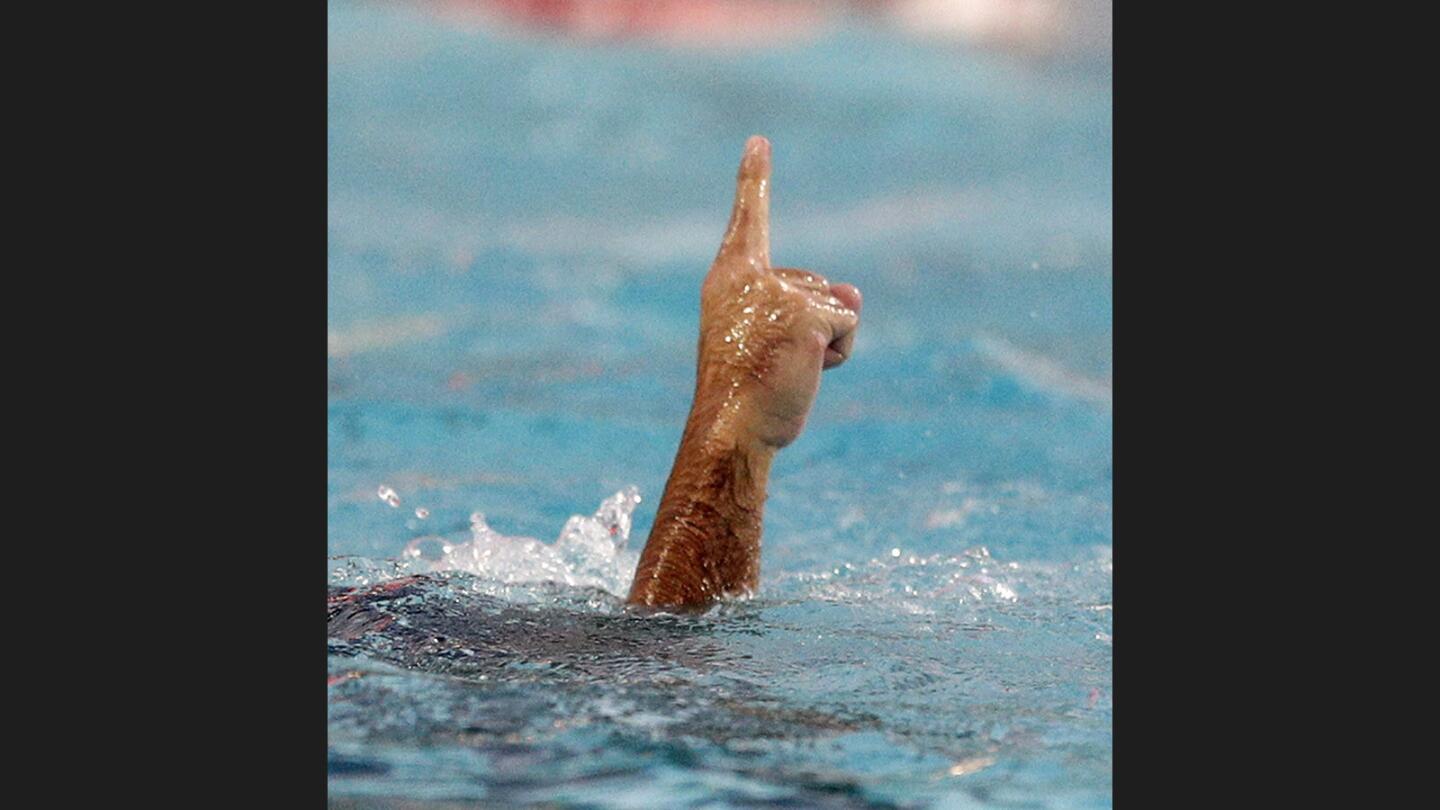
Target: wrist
<point x="726" y="419"/>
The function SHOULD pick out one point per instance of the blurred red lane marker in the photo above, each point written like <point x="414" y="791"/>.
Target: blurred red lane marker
<point x="694" y="23"/>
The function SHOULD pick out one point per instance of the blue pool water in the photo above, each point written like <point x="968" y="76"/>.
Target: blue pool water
<point x="518" y="226"/>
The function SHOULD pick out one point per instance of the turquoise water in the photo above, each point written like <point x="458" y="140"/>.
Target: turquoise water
<point x="518" y="226"/>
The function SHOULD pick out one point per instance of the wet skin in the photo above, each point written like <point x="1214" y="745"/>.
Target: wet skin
<point x="765" y="335"/>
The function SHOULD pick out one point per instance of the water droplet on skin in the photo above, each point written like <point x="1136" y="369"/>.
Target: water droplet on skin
<point x="388" y="496"/>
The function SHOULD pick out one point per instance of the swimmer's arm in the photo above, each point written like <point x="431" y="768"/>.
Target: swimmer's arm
<point x="705" y="543"/>
<point x="765" y="336"/>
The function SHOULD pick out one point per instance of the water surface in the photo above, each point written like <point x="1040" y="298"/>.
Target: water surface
<point x="518" y="227"/>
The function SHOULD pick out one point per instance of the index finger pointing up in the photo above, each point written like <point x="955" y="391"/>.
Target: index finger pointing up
<point x="748" y="237"/>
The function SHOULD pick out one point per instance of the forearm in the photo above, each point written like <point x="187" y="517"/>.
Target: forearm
<point x="705" y="542"/>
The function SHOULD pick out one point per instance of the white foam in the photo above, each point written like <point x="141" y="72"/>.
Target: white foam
<point x="589" y="553"/>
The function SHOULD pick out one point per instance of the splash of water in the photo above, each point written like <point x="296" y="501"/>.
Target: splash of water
<point x="922" y="584"/>
<point x="589" y="553"/>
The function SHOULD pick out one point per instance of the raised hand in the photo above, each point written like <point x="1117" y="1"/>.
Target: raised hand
<point x="765" y="335"/>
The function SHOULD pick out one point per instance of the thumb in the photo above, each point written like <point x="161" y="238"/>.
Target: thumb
<point x="747" y="239"/>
